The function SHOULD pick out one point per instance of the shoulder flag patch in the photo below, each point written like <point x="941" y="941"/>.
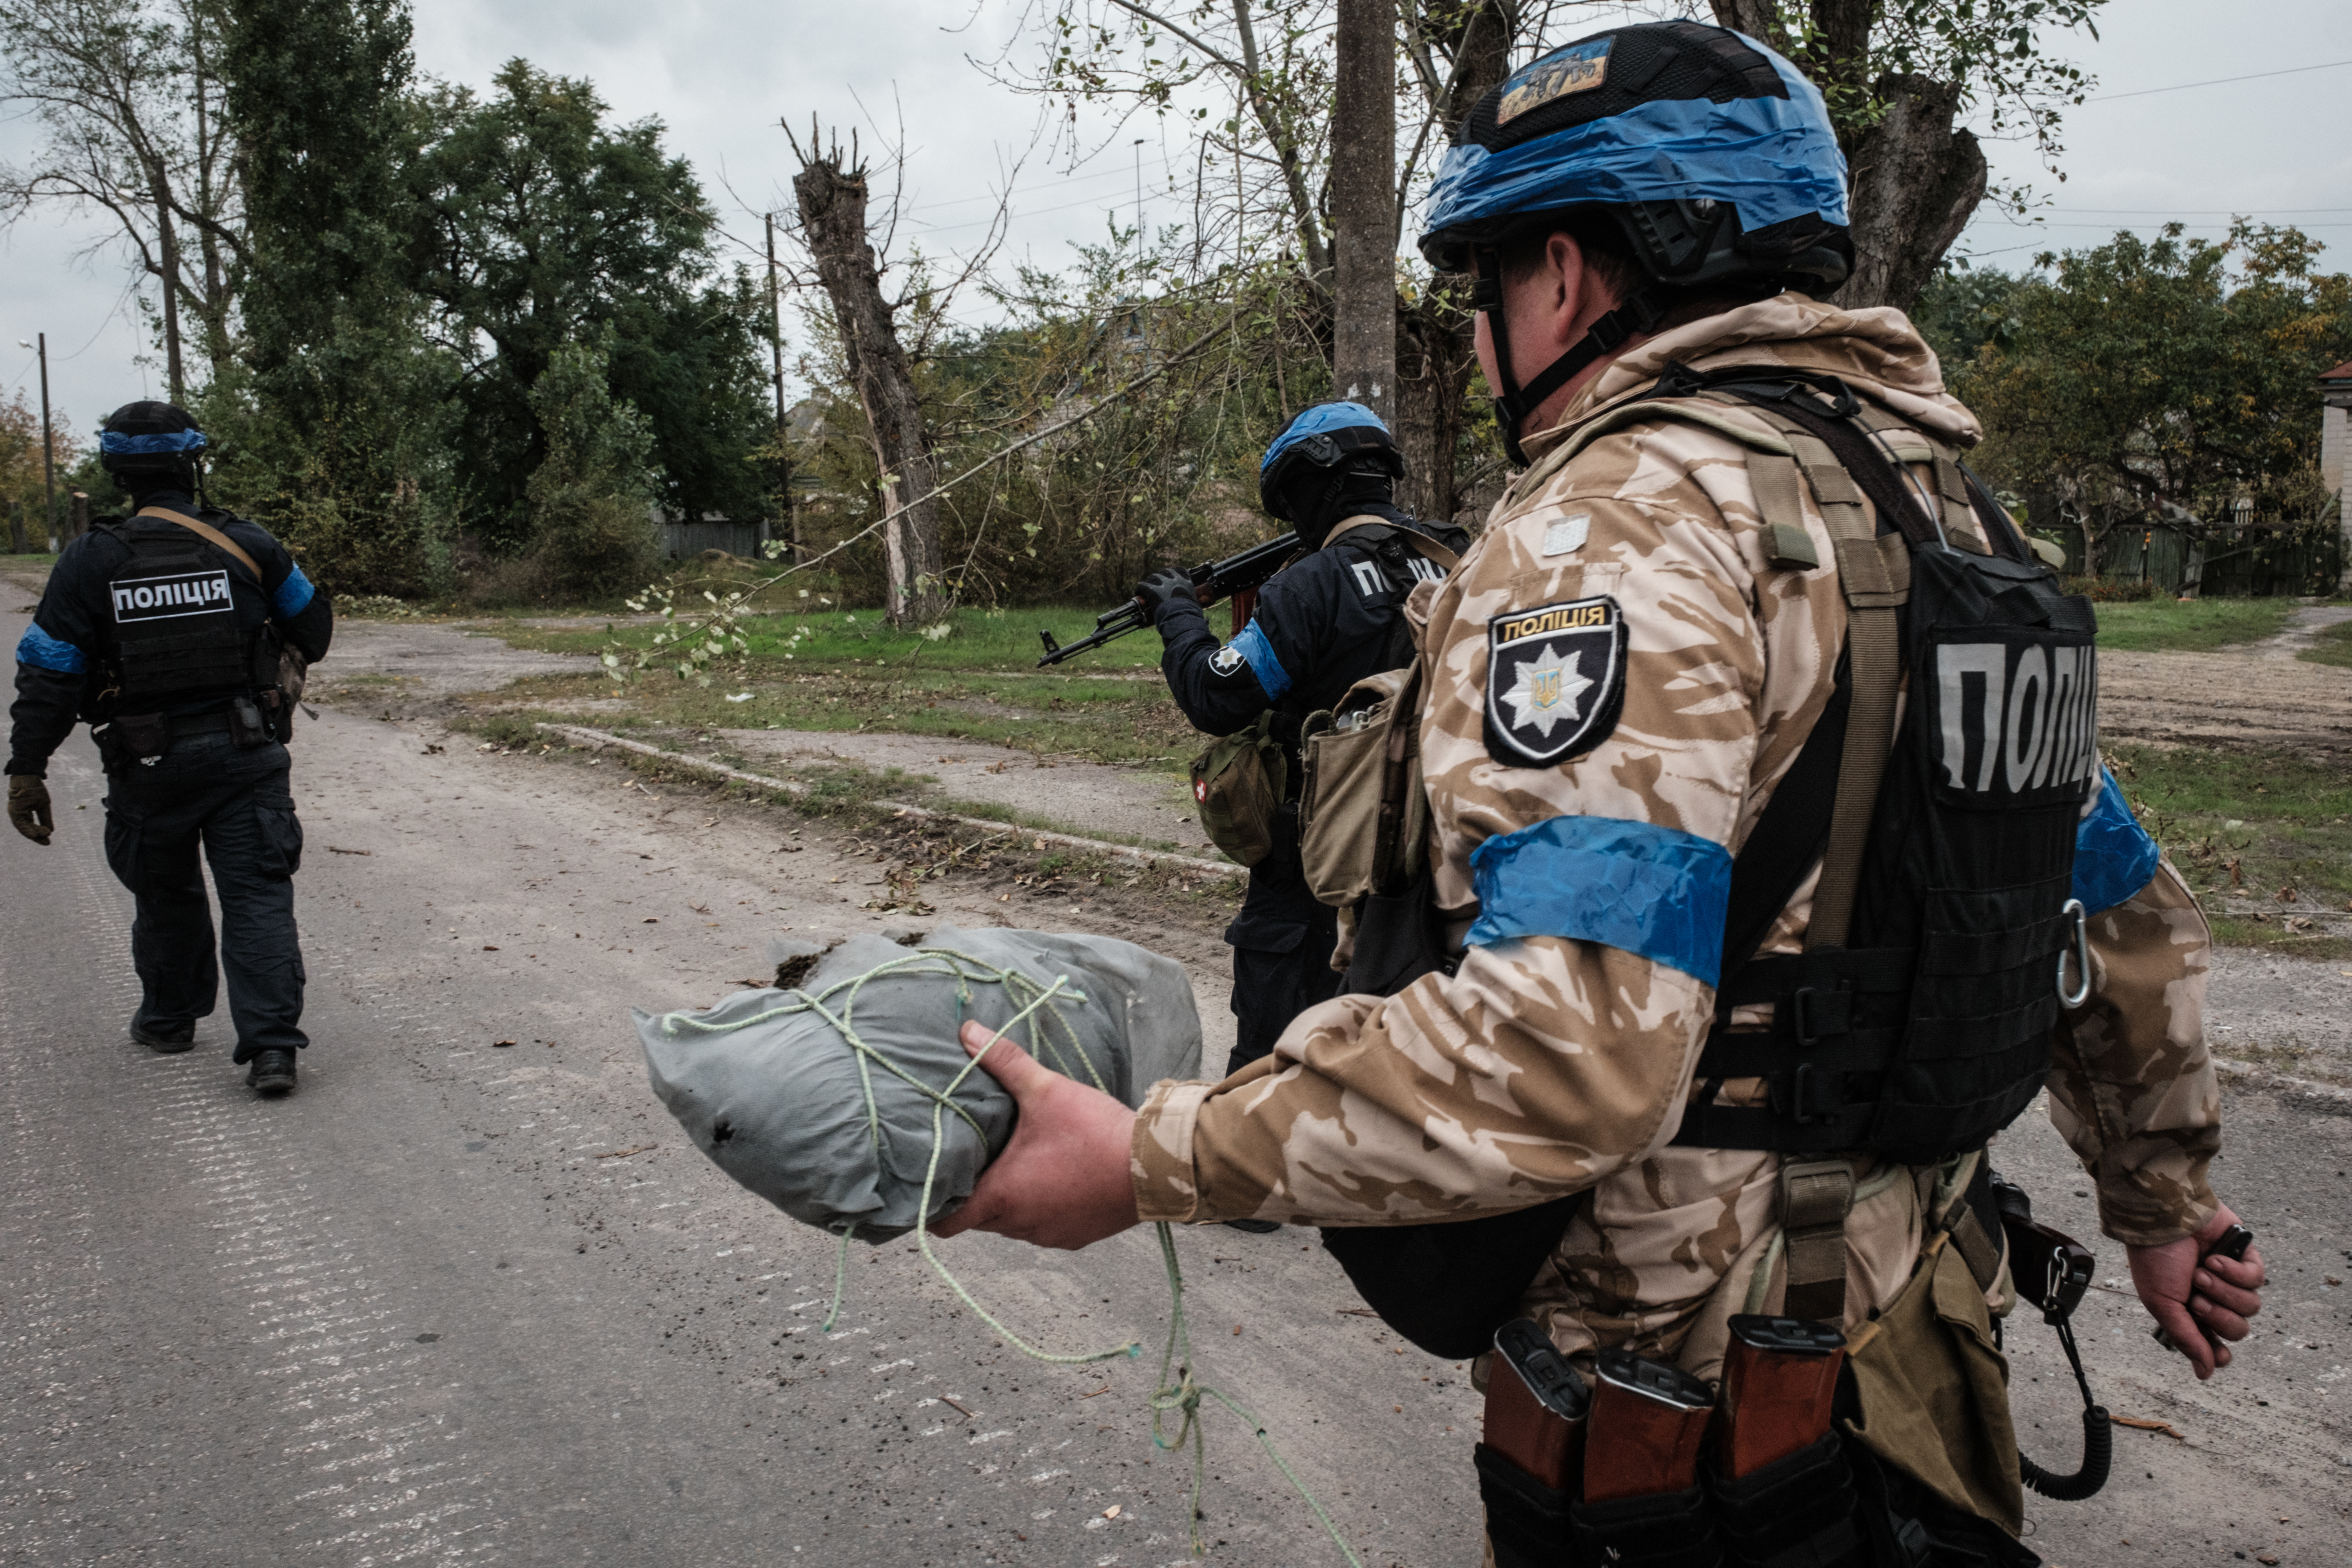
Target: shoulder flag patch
<point x="1555" y="680"/>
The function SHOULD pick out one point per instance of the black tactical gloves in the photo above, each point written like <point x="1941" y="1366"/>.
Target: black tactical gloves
<point x="1170" y="583"/>
<point x="29" y="807"/>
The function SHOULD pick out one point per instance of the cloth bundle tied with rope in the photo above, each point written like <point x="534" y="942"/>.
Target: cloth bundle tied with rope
<point x="823" y="1099"/>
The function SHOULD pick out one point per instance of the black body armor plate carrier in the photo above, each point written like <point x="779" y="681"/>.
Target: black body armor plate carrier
<point x="174" y="614"/>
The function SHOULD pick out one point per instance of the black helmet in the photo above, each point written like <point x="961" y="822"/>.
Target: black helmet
<point x="149" y="440"/>
<point x="1712" y="155"/>
<point x="1338" y="436"/>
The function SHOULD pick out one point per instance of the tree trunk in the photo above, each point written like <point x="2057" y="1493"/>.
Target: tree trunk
<point x="1917" y="179"/>
<point x="1364" y="207"/>
<point x="1434" y="357"/>
<point x="831" y="201"/>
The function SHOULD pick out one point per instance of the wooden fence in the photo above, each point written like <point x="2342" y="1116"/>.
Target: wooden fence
<point x="2256" y="561"/>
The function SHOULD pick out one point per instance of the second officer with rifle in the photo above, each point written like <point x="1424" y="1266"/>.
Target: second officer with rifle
<point x="1325" y="622"/>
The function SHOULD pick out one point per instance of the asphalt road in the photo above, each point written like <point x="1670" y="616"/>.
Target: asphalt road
<point x="461" y="1302"/>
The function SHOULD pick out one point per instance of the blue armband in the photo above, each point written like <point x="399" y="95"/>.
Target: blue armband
<point x="1658" y="892"/>
<point x="1258" y="654"/>
<point x="293" y="595"/>
<point x="2113" y="856"/>
<point x="42" y="651"/>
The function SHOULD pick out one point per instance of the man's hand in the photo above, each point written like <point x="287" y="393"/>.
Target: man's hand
<point x="2192" y="1295"/>
<point x="1170" y="583"/>
<point x="29" y="807"/>
<point x="1063" y="1181"/>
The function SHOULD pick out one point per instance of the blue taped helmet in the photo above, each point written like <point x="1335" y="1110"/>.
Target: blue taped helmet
<point x="150" y="438"/>
<point x="1712" y="155"/>
<point x="1330" y="435"/>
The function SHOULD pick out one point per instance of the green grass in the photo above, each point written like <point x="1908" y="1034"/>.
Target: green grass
<point x="2334" y="647"/>
<point x="2248" y="825"/>
<point x="2197" y="626"/>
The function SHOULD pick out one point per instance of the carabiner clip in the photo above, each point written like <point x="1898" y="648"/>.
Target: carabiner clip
<point x="2081" y="993"/>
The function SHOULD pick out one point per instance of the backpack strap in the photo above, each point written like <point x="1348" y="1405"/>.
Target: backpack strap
<point x="1412" y="538"/>
<point x="210" y="535"/>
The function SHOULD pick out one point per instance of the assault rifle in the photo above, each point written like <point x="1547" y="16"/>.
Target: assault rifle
<point x="1212" y="581"/>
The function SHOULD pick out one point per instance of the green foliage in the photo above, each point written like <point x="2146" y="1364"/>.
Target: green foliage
<point x="1965" y="309"/>
<point x="329" y="428"/>
<point x="2148" y="373"/>
<point x="541" y="225"/>
<point x="591" y="495"/>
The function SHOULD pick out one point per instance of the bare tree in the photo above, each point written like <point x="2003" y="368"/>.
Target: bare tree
<point x="1364" y="207"/>
<point x="830" y="191"/>
<point x="126" y="91"/>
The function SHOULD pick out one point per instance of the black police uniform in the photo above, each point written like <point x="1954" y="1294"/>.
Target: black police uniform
<point x="133" y="623"/>
<point x="1321" y="625"/>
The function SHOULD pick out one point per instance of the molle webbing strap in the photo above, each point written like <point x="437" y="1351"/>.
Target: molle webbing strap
<point x="209" y="534"/>
<point x="1874" y="582"/>
<point x="1815" y="1198"/>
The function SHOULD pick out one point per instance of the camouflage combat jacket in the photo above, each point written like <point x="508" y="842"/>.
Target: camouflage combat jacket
<point x="1550" y="1066"/>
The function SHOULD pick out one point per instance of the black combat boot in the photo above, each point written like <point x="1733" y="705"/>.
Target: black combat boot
<point x="272" y="1074"/>
<point x="164" y="1039"/>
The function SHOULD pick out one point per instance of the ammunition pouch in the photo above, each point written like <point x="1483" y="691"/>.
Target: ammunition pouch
<point x="1666" y="1530"/>
<point x="1526" y="1522"/>
<point x="1363" y="816"/>
<point x="1239" y="784"/>
<point x="1796" y="1513"/>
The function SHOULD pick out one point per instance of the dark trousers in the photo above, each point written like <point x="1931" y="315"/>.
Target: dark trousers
<point x="1282" y="943"/>
<point x="234" y="802"/>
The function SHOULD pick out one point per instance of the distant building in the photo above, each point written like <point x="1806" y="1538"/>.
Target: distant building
<point x="2336" y="453"/>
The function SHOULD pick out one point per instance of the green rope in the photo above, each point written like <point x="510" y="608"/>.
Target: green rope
<point x="1182" y="1394"/>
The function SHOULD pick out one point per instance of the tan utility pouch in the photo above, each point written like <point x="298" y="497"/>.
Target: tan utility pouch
<point x="1935" y="1389"/>
<point x="1362" y="811"/>
<point x="1238" y="783"/>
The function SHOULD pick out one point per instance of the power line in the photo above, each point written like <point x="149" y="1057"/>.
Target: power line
<point x="2217" y="81"/>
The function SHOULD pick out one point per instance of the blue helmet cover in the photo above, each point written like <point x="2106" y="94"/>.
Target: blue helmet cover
<point x="124" y="446"/>
<point x="1772" y="159"/>
<point x="1321" y="419"/>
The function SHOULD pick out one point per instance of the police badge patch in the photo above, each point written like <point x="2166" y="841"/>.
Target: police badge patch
<point x="1226" y="659"/>
<point x="1555" y="680"/>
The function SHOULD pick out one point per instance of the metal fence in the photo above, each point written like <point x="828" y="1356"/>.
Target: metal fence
<point x="683" y="541"/>
<point x="2256" y="561"/>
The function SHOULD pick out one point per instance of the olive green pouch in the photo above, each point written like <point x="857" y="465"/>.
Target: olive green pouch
<point x="1238" y="783"/>
<point x="1934" y="1391"/>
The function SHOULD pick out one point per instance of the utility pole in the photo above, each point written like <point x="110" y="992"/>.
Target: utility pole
<point x="48" y="451"/>
<point x="1363" y="207"/>
<point x="783" y="453"/>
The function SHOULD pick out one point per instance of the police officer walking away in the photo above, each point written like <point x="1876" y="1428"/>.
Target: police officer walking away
<point x="1323" y="623"/>
<point x="181" y="634"/>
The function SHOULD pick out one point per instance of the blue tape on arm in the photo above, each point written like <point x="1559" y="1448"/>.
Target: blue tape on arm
<point x="1258" y="654"/>
<point x="1656" y="891"/>
<point x="2113" y="856"/>
<point x="293" y="595"/>
<point x="42" y="651"/>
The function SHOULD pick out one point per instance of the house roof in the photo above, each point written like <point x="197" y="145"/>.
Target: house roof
<point x="2341" y="373"/>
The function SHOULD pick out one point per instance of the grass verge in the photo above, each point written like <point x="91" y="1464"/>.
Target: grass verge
<point x="2195" y="625"/>
<point x="2270" y="829"/>
<point x="2334" y="645"/>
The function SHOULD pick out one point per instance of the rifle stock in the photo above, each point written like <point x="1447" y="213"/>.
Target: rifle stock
<point x="1212" y="581"/>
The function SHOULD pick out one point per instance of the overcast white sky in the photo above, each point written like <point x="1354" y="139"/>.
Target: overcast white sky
<point x="721" y="73"/>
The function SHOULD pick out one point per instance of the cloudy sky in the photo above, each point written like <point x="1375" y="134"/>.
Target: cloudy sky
<point x="722" y="73"/>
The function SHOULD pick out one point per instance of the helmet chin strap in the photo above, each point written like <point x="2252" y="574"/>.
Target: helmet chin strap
<point x="1641" y="310"/>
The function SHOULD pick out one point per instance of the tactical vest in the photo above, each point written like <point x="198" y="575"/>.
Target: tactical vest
<point x="1917" y="1023"/>
<point x="1403" y="558"/>
<point x="174" y="611"/>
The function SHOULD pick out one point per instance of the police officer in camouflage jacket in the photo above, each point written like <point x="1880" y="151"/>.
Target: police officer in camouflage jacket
<point x="176" y="633"/>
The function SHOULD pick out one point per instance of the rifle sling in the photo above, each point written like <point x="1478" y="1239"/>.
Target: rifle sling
<point x="210" y="535"/>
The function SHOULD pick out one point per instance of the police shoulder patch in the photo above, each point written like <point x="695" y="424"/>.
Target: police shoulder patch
<point x="1555" y="680"/>
<point x="1226" y="659"/>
